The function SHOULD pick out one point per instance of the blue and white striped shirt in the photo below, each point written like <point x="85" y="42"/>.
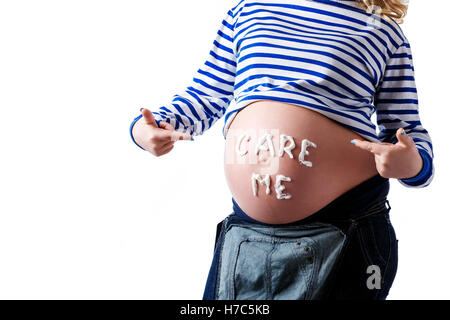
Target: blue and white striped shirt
<point x="329" y="56"/>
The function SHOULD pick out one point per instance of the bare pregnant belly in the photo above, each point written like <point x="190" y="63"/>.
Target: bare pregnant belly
<point x="279" y="189"/>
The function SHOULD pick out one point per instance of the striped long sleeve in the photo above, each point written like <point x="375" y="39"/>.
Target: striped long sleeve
<point x="330" y="56"/>
<point x="207" y="98"/>
<point x="397" y="106"/>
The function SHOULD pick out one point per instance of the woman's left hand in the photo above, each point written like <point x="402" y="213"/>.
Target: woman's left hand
<point x="401" y="160"/>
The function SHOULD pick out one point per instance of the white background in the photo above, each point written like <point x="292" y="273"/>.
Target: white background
<point x="86" y="214"/>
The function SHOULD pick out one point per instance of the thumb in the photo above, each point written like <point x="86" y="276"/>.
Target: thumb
<point x="148" y="117"/>
<point x="403" y="138"/>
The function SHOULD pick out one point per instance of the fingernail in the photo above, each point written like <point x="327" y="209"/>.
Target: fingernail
<point x="352" y="142"/>
<point x="141" y="109"/>
<point x="403" y="132"/>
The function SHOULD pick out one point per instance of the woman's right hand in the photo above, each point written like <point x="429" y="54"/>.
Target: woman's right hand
<point x="156" y="140"/>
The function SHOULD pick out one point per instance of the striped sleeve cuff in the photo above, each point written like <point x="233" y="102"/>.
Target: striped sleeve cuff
<point x="422" y="177"/>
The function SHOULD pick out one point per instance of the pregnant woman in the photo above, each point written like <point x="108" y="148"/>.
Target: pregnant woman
<point x="307" y="170"/>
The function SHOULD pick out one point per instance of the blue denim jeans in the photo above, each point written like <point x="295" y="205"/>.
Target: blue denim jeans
<point x="346" y="250"/>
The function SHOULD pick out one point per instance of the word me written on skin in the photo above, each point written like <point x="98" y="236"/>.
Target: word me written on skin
<point x="265" y="143"/>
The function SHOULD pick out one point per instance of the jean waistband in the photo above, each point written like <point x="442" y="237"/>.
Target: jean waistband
<point x="352" y="204"/>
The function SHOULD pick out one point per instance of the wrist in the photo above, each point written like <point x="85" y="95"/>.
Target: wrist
<point x="424" y="171"/>
<point x="134" y="125"/>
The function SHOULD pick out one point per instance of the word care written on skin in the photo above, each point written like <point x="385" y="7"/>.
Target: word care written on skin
<point x="265" y="143"/>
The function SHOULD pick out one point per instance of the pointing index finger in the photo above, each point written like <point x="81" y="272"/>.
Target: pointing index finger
<point x="175" y="136"/>
<point x="376" y="148"/>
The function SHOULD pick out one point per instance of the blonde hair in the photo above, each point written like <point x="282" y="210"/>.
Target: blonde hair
<point x="395" y="9"/>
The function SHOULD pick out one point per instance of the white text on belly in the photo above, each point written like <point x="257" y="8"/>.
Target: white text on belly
<point x="265" y="143"/>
